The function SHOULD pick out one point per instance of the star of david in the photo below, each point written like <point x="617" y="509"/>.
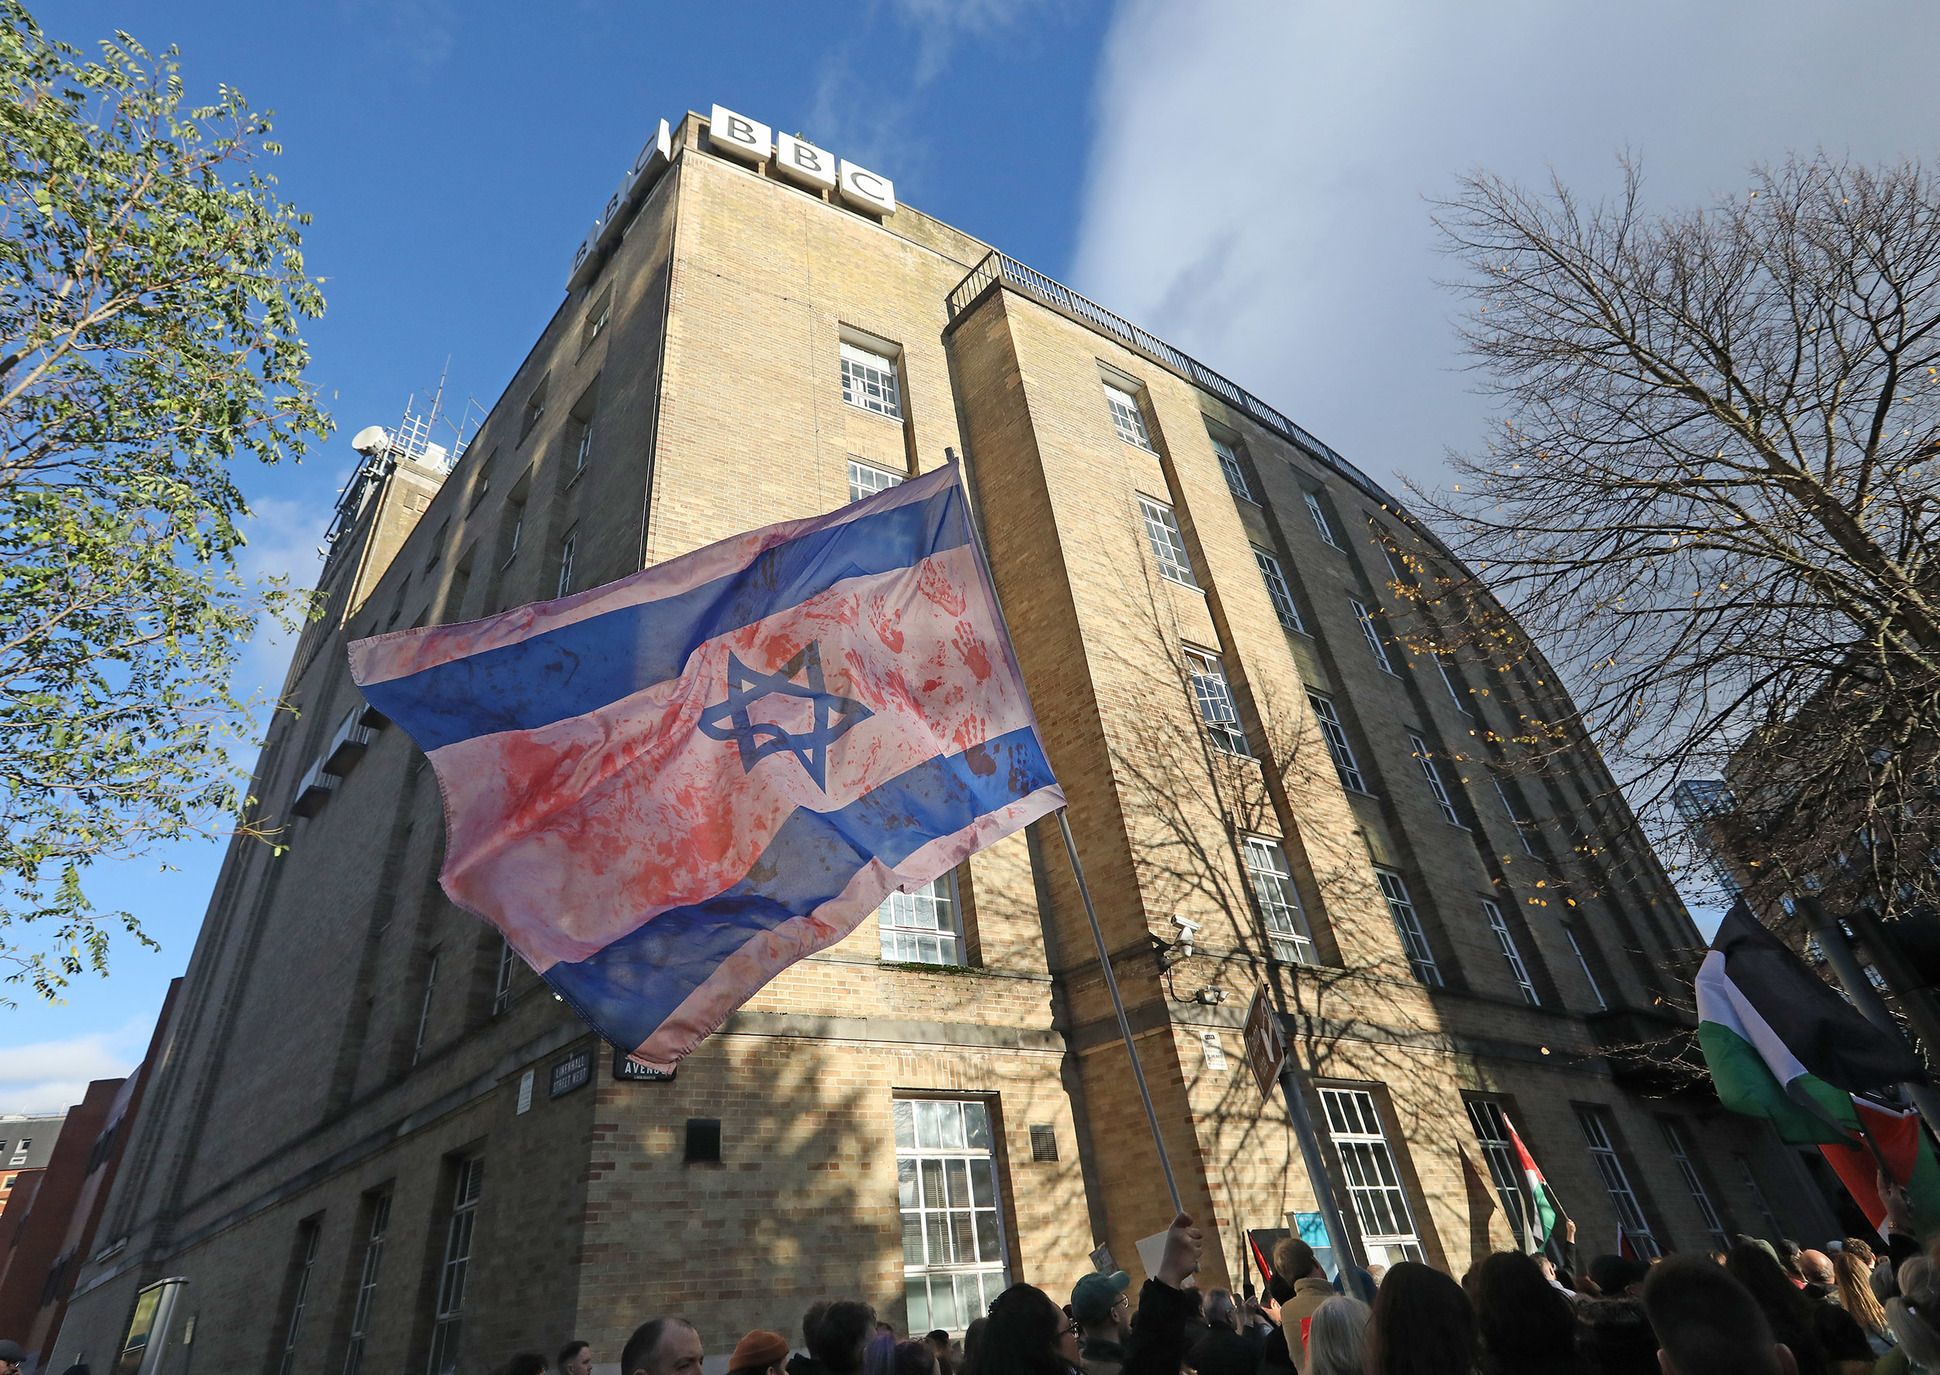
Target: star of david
<point x="831" y="713"/>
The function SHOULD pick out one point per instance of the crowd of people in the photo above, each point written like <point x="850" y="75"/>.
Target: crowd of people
<point x="1759" y="1308"/>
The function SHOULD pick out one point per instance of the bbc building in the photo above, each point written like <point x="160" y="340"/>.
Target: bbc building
<point x="376" y="1142"/>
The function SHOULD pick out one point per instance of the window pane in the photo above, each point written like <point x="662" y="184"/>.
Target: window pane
<point x="1168" y="546"/>
<point x="954" y="1257"/>
<point x="976" y="1121"/>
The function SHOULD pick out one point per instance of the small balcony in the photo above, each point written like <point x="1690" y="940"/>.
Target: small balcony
<point x="313" y="791"/>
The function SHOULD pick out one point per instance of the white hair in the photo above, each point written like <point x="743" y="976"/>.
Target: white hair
<point x="1336" y="1338"/>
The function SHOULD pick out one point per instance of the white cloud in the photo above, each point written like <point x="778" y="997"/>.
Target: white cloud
<point x="1258" y="185"/>
<point x="51" y="1076"/>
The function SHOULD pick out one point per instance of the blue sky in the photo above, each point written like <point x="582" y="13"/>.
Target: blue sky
<point x="1248" y="178"/>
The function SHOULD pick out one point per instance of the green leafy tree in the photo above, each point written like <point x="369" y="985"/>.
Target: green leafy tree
<point x="151" y="290"/>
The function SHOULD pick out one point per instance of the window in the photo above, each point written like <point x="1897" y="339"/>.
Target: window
<point x="502" y="982"/>
<point x="1679" y="1147"/>
<point x="1516" y="818"/>
<point x="1372" y="631"/>
<point x="922" y="927"/>
<point x="1337" y="743"/>
<point x="1168" y="547"/>
<point x="360" y="1313"/>
<point x="438" y="545"/>
<point x="1426" y="758"/>
<point x="954" y="1258"/>
<point x="567" y="546"/>
<point x="869" y="381"/>
<point x="583" y="448"/>
<point x="481" y="483"/>
<point x="1126" y="417"/>
<point x="1215" y="699"/>
<point x="1492" y="1135"/>
<point x="1455" y="692"/>
<point x="1279" y="903"/>
<point x="1373" y="1182"/>
<point x="1321" y="523"/>
<point x="1229" y="464"/>
<point x="866" y="479"/>
<point x="1506" y="939"/>
<point x="397" y="602"/>
<point x="1596" y="990"/>
<point x="308" y="1233"/>
<point x="449" y="1320"/>
<point x="1616" y="1182"/>
<point x="424" y="1008"/>
<point x="1278" y="592"/>
<point x="535" y="406"/>
<point x="597" y="316"/>
<point x="1758" y="1199"/>
<point x="1407" y="923"/>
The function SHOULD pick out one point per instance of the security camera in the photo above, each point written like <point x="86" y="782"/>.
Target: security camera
<point x="1188" y="931"/>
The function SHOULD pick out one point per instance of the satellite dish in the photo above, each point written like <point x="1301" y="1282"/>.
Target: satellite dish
<point x="372" y="439"/>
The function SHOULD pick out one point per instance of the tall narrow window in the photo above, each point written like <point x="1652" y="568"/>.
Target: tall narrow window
<point x="1407" y="924"/>
<point x="1443" y="798"/>
<point x="1318" y="510"/>
<point x="1168" y="546"/>
<point x="1680" y="1149"/>
<point x="308" y="1233"/>
<point x="502" y="985"/>
<point x="583" y="447"/>
<point x="1373" y="1180"/>
<point x="922" y="927"/>
<point x="1278" y="591"/>
<point x="1522" y="824"/>
<point x="535" y="406"/>
<point x="1230" y="465"/>
<point x="360" y="1313"/>
<point x="869" y="381"/>
<point x="1455" y="692"/>
<point x="954" y="1258"/>
<point x="1492" y="1135"/>
<point x="1371" y="631"/>
<point x="567" y="548"/>
<point x="1589" y="976"/>
<point x="1507" y="940"/>
<point x="1126" y="417"/>
<point x="1279" y="903"/>
<point x="448" y="1322"/>
<point x="424" y="1007"/>
<point x="1338" y="744"/>
<point x="1616" y="1181"/>
<point x="866" y="479"/>
<point x="1215" y="700"/>
<point x="597" y="316"/>
<point x="1772" y="1226"/>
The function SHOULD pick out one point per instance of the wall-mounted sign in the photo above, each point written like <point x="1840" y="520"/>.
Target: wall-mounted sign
<point x="750" y="141"/>
<point x="572" y="1072"/>
<point x="633" y="1071"/>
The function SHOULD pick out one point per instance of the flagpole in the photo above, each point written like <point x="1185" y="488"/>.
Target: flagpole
<point x="1078" y="871"/>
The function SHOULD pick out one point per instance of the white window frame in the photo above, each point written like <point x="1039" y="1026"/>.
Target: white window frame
<point x="1454" y="692"/>
<point x="448" y="1315"/>
<point x="1504" y="937"/>
<point x="923" y="927"/>
<point x="1680" y="1149"/>
<point x="1278" y="901"/>
<point x="1443" y="798"/>
<point x="424" y="1008"/>
<point x="367" y="1277"/>
<point x="568" y="550"/>
<point x="1373" y="1175"/>
<point x="1372" y="633"/>
<point x="1212" y="692"/>
<point x="502" y="980"/>
<point x="583" y="450"/>
<point x="942" y="1153"/>
<point x="1521" y="823"/>
<point x="1334" y="732"/>
<point x="1279" y="591"/>
<point x="312" y="1231"/>
<point x="1407" y="925"/>
<point x="866" y="479"/>
<point x="869" y="381"/>
<point x="1229" y="464"/>
<point x="1321" y="522"/>
<point x="1127" y="416"/>
<point x="1595" y="1125"/>
<point x="1491" y="1126"/>
<point x="1583" y="963"/>
<point x="1168" y="545"/>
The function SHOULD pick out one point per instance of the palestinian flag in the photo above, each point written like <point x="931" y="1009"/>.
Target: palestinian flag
<point x="1893" y="1139"/>
<point x="1542" y="1210"/>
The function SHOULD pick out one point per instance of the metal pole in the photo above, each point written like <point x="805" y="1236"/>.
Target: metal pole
<point x="1118" y="1006"/>
<point x="1838" y="953"/>
<point x="1331" y="1218"/>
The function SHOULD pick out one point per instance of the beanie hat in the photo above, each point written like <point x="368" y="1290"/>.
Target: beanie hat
<point x="10" y="1351"/>
<point x="757" y="1351"/>
<point x="1094" y="1294"/>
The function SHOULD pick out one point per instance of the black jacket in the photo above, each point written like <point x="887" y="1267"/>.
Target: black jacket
<point x="1163" y="1330"/>
<point x="1223" y="1351"/>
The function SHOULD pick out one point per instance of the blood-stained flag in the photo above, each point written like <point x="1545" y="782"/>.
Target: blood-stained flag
<point x="666" y="790"/>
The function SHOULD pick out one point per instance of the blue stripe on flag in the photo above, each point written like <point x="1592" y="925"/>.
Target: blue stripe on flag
<point x="628" y="989"/>
<point x="593" y="663"/>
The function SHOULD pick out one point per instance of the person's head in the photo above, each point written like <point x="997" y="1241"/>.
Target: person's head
<point x="1421" y="1324"/>
<point x="1336" y="1338"/>
<point x="1914" y="1315"/>
<point x="1028" y="1334"/>
<point x="1219" y="1310"/>
<point x="1295" y="1259"/>
<point x="1613" y="1337"/>
<point x="884" y="1329"/>
<point x="525" y="1363"/>
<point x="1547" y="1266"/>
<point x="1754" y="1266"/>
<point x="662" y="1346"/>
<point x="812" y="1319"/>
<point x="1099" y="1304"/>
<point x="1852" y="1281"/>
<point x="11" y="1357"/>
<point x="939" y="1341"/>
<point x="915" y="1358"/>
<point x="1519" y="1316"/>
<point x="1857" y="1246"/>
<point x="576" y="1358"/>
<point x="1707" y="1323"/>
<point x="761" y="1352"/>
<point x="841" y="1334"/>
<point x="1816" y="1266"/>
<point x="973" y="1345"/>
<point x="1788" y="1259"/>
<point x="1616" y="1276"/>
<point x="879" y="1356"/>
